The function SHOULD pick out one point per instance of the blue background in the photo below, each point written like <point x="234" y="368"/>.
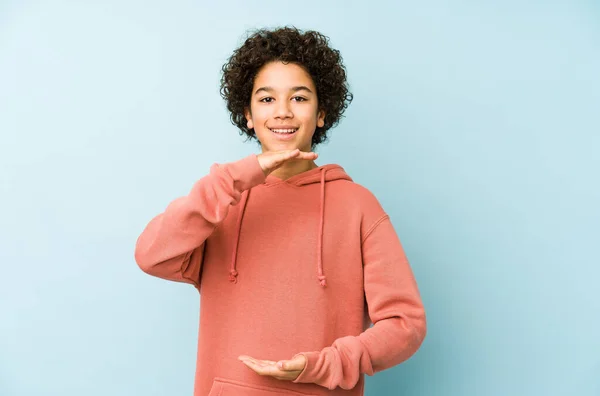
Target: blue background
<point x="476" y="124"/>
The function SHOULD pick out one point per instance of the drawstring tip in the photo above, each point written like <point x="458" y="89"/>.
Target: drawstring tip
<point x="322" y="281"/>
<point x="233" y="276"/>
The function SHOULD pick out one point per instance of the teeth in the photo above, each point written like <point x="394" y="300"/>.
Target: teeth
<point x="284" y="130"/>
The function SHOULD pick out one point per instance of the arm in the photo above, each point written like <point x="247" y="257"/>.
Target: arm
<point x="395" y="308"/>
<point x="172" y="244"/>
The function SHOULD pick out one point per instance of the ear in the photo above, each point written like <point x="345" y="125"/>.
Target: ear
<point x="248" y="115"/>
<point x="321" y="118"/>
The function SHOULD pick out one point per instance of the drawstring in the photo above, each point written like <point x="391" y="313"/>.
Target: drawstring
<point x="320" y="276"/>
<point x="233" y="272"/>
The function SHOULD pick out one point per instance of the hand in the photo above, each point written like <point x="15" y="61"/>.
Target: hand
<point x="283" y="370"/>
<point x="271" y="160"/>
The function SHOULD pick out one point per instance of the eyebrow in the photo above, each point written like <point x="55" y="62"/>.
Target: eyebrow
<point x="293" y="89"/>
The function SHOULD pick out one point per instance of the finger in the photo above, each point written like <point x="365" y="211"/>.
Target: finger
<point x="263" y="363"/>
<point x="304" y="155"/>
<point x="252" y="366"/>
<point x="291" y="154"/>
<point x="250" y="359"/>
<point x="272" y="371"/>
<point x="282" y="156"/>
<point x="287" y="153"/>
<point x="307" y="155"/>
<point x="263" y="369"/>
<point x="271" y="362"/>
<point x="259" y="362"/>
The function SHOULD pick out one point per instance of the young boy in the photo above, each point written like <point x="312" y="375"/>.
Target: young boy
<point x="293" y="261"/>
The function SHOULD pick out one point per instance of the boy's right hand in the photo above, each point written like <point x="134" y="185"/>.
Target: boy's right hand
<point x="271" y="160"/>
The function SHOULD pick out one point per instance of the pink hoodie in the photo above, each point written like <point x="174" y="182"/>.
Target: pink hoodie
<point x="284" y="267"/>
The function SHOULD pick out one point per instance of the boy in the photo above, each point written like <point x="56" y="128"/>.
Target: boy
<point x="294" y="261"/>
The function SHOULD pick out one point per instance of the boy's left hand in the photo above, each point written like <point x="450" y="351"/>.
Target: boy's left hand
<point x="289" y="369"/>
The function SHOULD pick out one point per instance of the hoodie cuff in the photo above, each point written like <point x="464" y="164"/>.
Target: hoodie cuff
<point x="246" y="172"/>
<point x="309" y="375"/>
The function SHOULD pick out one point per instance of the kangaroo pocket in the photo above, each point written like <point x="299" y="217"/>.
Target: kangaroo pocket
<point x="227" y="387"/>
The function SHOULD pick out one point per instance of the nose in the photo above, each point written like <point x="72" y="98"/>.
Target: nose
<point x="283" y="109"/>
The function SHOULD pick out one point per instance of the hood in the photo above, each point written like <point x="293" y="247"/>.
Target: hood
<point x="321" y="175"/>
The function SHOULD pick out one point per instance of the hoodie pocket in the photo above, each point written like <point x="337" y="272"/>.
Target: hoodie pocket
<point x="227" y="387"/>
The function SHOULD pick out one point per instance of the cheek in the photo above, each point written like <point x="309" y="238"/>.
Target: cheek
<point x="308" y="115"/>
<point x="259" y="116"/>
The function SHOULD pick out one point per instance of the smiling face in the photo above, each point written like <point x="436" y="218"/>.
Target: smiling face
<point x="283" y="108"/>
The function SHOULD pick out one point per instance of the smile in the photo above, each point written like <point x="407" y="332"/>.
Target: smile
<point x="284" y="131"/>
<point x="284" y="134"/>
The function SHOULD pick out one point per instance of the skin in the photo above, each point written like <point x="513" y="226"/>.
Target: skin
<point x="282" y="105"/>
<point x="284" y="370"/>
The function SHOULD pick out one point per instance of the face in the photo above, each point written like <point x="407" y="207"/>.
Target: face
<point x="284" y="97"/>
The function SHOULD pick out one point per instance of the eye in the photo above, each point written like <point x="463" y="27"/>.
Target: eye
<point x="298" y="99"/>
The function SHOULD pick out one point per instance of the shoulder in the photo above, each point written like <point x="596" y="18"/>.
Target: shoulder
<point x="359" y="200"/>
<point x="360" y="194"/>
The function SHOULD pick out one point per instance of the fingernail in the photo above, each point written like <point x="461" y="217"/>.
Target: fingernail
<point x="280" y="365"/>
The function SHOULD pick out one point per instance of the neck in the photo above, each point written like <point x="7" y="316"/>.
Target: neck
<point x="293" y="167"/>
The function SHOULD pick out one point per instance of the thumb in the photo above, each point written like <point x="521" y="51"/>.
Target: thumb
<point x="292" y="365"/>
<point x="285" y="365"/>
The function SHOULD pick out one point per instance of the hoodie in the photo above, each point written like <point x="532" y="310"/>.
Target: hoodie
<point x="308" y="265"/>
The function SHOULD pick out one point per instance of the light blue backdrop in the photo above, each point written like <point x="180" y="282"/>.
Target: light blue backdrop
<point x="475" y="123"/>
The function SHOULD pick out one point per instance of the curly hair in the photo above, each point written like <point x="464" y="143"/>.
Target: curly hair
<point x="309" y="50"/>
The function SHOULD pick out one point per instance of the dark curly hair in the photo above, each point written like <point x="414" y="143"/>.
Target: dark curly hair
<point x="310" y="50"/>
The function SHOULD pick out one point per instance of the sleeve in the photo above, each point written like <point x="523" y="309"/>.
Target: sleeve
<point x="172" y="244"/>
<point x="395" y="308"/>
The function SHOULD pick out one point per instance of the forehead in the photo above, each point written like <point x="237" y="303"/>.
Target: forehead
<point x="282" y="77"/>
